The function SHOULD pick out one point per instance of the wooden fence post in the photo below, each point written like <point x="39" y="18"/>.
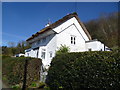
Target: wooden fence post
<point x="25" y="74"/>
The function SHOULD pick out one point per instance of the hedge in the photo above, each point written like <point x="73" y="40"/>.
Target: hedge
<point x="85" y="70"/>
<point x="13" y="70"/>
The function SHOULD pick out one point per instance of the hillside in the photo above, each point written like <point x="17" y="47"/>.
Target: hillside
<point x="105" y="29"/>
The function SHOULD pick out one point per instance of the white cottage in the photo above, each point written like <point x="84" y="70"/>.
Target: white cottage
<point x="68" y="31"/>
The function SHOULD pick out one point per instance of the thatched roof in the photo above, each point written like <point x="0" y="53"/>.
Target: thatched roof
<point x="59" y="22"/>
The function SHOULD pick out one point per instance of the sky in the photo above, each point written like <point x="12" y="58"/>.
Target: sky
<point x="22" y="19"/>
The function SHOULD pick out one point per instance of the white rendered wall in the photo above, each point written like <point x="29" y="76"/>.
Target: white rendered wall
<point x="50" y="47"/>
<point x="68" y="23"/>
<point x="95" y="46"/>
<point x="28" y="54"/>
<point x="33" y="53"/>
<point x="64" y="38"/>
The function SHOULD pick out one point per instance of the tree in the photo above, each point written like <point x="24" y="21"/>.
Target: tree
<point x="105" y="29"/>
<point x="4" y="50"/>
<point x="11" y="44"/>
<point x="12" y="49"/>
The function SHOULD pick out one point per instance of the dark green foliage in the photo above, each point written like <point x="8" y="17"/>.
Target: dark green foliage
<point x="13" y="70"/>
<point x="85" y="70"/>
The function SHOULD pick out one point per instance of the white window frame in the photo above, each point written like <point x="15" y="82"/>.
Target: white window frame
<point x="51" y="54"/>
<point x="43" y="53"/>
<point x="73" y="39"/>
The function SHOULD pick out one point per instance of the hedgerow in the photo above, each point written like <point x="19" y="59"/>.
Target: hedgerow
<point x="85" y="70"/>
<point x="13" y="70"/>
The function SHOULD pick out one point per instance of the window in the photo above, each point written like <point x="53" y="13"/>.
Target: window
<point x="27" y="54"/>
<point x="43" y="53"/>
<point x="89" y="49"/>
<point x="34" y="43"/>
<point x="37" y="53"/>
<point x="50" y="54"/>
<point x="38" y="42"/>
<point x="44" y="40"/>
<point x="73" y="38"/>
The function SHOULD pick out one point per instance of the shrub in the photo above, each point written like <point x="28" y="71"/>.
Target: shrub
<point x="63" y="49"/>
<point x="38" y="85"/>
<point x="13" y="70"/>
<point x="85" y="70"/>
<point x="16" y="87"/>
<point x="41" y="85"/>
<point x="33" y="84"/>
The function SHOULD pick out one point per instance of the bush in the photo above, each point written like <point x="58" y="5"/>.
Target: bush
<point x="38" y="85"/>
<point x="63" y="49"/>
<point x="85" y="70"/>
<point x="33" y="84"/>
<point x="41" y="85"/>
<point x="13" y="70"/>
<point x="16" y="87"/>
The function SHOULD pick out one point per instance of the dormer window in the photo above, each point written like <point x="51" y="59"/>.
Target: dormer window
<point x="73" y="40"/>
<point x="44" y="40"/>
<point x="35" y="43"/>
<point x="38" y="42"/>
